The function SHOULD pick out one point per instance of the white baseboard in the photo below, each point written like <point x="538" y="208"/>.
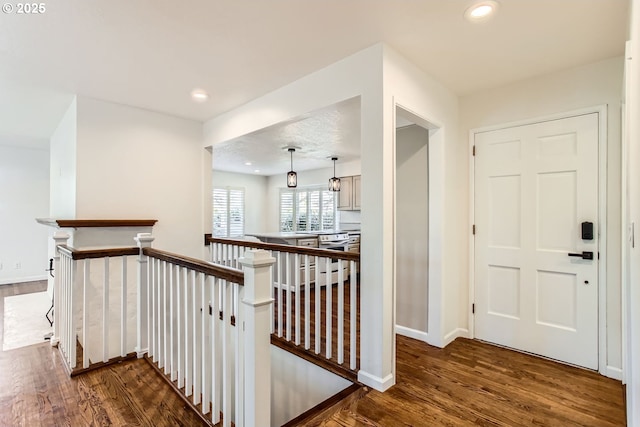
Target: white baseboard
<point x="12" y="280"/>
<point x="412" y="333"/>
<point x="380" y="384"/>
<point x="456" y="333"/>
<point x="612" y="372"/>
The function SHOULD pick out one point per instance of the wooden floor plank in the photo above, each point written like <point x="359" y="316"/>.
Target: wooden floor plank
<point x="474" y="383"/>
<point x="36" y="391"/>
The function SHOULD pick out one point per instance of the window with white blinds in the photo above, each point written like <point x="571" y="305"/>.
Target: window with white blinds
<point x="307" y="209"/>
<point x="228" y="212"/>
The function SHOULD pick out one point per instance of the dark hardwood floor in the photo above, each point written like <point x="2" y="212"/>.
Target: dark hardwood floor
<point x="36" y="391"/>
<point x="468" y="383"/>
<point x="474" y="383"/>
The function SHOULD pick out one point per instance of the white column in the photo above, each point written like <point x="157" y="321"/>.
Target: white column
<point x="60" y="238"/>
<point x="256" y="298"/>
<point x="142" y="322"/>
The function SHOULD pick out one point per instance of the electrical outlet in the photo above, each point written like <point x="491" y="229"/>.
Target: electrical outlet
<point x="18" y="266"/>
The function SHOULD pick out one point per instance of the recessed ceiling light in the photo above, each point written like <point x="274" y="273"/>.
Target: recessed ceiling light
<point x="257" y="171"/>
<point x="199" y="95"/>
<point x="247" y="163"/>
<point x="481" y="11"/>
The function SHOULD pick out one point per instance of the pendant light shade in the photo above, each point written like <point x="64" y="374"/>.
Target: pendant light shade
<point x="334" y="183"/>
<point x="292" y="176"/>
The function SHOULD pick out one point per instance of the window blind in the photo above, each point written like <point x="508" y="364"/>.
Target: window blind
<point x="307" y="209"/>
<point x="228" y="212"/>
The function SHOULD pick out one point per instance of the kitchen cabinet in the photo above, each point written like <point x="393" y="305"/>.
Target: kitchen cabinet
<point x="349" y="195"/>
<point x="354" y="243"/>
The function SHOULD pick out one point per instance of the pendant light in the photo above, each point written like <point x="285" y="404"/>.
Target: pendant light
<point x="334" y="183"/>
<point x="292" y="176"/>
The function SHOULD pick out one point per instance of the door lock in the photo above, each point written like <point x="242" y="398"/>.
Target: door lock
<point x="583" y="255"/>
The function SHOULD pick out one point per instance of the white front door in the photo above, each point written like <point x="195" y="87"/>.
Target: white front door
<point x="534" y="187"/>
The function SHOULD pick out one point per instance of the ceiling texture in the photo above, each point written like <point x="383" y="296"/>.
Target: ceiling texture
<point x="152" y="53"/>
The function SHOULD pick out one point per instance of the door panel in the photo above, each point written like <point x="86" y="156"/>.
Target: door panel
<point x="534" y="186"/>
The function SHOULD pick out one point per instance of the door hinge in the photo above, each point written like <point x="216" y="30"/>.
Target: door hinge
<point x="473" y="308"/>
<point x="473" y="151"/>
<point x="473" y="229"/>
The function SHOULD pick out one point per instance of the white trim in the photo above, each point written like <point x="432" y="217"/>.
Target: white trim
<point x="380" y="384"/>
<point x="625" y="221"/>
<point x="471" y="324"/>
<point x="456" y="333"/>
<point x="613" y="372"/>
<point x="602" y="239"/>
<point x="11" y="281"/>
<point x="412" y="333"/>
<point x="601" y="110"/>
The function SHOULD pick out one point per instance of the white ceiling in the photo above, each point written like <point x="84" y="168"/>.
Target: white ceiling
<point x="152" y="53"/>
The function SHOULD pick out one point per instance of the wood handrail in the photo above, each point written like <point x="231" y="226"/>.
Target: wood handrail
<point x="302" y="250"/>
<point x="229" y="274"/>
<point x="97" y="253"/>
<point x="77" y="223"/>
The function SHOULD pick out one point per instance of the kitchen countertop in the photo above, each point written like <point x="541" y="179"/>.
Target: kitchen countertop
<point x="283" y="235"/>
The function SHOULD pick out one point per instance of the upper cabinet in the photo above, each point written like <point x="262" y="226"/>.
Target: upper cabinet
<point x="349" y="195"/>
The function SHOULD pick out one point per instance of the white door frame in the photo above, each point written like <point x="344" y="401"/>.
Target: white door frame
<point x="601" y="110"/>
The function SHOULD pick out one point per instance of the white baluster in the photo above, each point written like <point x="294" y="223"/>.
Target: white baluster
<point x="279" y="308"/>
<point x="60" y="238"/>
<point x="173" y="370"/>
<point x="188" y="343"/>
<point x="216" y="351"/>
<point x="123" y="309"/>
<point x="353" y="311"/>
<point x="197" y="362"/>
<point x="329" y="307"/>
<point x="179" y="319"/>
<point x="228" y="356"/>
<point x="340" y="312"/>
<point x="288" y="294"/>
<point x="307" y="303"/>
<point x="318" y="293"/>
<point x="298" y="289"/>
<point x="204" y="335"/>
<point x="85" y="317"/>
<point x="105" y="312"/>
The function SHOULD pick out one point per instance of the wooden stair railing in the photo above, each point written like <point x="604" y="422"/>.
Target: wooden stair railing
<point x="308" y="320"/>
<point x="183" y="320"/>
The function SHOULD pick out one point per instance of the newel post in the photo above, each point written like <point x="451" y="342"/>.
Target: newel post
<point x="142" y="323"/>
<point x="257" y="336"/>
<point x="60" y="238"/>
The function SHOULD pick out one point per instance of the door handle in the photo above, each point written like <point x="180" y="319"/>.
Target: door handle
<point x="583" y="255"/>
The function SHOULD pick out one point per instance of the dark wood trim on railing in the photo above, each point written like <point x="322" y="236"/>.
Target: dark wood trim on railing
<point x="97" y="253"/>
<point x="226" y="273"/>
<point x="317" y="359"/>
<point x="302" y="250"/>
<point x="326" y="404"/>
<point x="77" y="223"/>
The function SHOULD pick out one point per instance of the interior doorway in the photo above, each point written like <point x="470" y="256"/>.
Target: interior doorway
<point x="411" y="218"/>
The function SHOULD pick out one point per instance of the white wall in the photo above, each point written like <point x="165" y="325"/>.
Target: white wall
<point x="432" y="106"/>
<point x="357" y="75"/>
<point x="412" y="231"/>
<point x="134" y="163"/>
<point x="298" y="385"/>
<point x="632" y="96"/>
<point x="363" y="74"/>
<point x="586" y="86"/>
<point x="62" y="146"/>
<point x="256" y="201"/>
<point x="24" y="196"/>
